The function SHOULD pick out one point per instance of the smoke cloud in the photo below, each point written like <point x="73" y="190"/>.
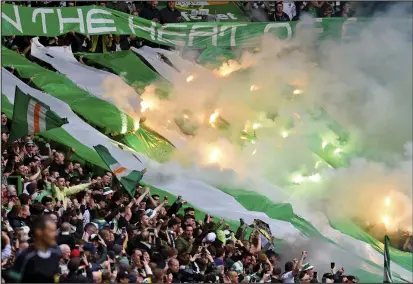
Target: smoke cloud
<point x="363" y="83"/>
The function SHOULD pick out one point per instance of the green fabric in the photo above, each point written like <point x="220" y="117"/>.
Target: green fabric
<point x="104" y="114"/>
<point x="129" y="179"/>
<point x="259" y="203"/>
<point x="196" y="35"/>
<point x="213" y="56"/>
<point x="131" y="68"/>
<point x="151" y="144"/>
<point x="31" y="117"/>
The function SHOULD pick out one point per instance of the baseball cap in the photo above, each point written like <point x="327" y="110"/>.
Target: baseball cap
<point x="75" y="253"/>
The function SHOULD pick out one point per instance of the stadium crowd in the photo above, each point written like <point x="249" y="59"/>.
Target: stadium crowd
<point x="64" y="221"/>
<point x="69" y="222"/>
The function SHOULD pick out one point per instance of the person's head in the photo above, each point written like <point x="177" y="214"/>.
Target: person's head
<point x="233" y="276"/>
<point x="173" y="265"/>
<point x="174" y="224"/>
<point x="24" y="211"/>
<point x="145" y="221"/>
<point x="97" y="277"/>
<point x="3" y="119"/>
<point x="190" y="220"/>
<point x="91" y="229"/>
<point x="61" y="183"/>
<point x="276" y="272"/>
<point x="171" y="4"/>
<point x="135" y="13"/>
<point x="189" y="211"/>
<point x="11" y="190"/>
<point x="345" y="7"/>
<point x="123" y="276"/>
<point x="69" y="166"/>
<point x="106" y="179"/>
<point x="289" y="265"/>
<point x="73" y="264"/>
<point x="136" y="257"/>
<point x="246" y="258"/>
<point x="65" y="251"/>
<point x="172" y="253"/>
<point x="327" y="278"/>
<point x="44" y="231"/>
<point x="153" y="4"/>
<point x="279" y="7"/>
<point x="102" y="4"/>
<point x="220" y="253"/>
<point x="65" y="227"/>
<point x="188" y="231"/>
<point x="59" y="158"/>
<point x="25" y="199"/>
<point x="32" y="188"/>
<point x="328" y="10"/>
<point x="4" y="137"/>
<point x="70" y="4"/>
<point x="156" y="198"/>
<point x="47" y="203"/>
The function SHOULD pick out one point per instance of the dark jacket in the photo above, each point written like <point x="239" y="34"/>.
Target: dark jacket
<point x="67" y="239"/>
<point x="168" y="15"/>
<point x="149" y="13"/>
<point x="75" y="277"/>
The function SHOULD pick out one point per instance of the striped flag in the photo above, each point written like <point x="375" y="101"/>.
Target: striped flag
<point x="31" y="116"/>
<point x="129" y="179"/>
<point x="387" y="272"/>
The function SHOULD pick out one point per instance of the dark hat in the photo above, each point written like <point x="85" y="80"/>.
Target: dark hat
<point x="122" y="274"/>
<point x="117" y="249"/>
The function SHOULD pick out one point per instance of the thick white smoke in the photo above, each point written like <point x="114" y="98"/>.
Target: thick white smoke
<point x="364" y="83"/>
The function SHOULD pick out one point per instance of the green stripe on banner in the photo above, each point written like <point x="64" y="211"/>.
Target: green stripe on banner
<point x="61" y="136"/>
<point x="104" y="114"/>
<point x="128" y="65"/>
<point x="256" y="202"/>
<point x="149" y="143"/>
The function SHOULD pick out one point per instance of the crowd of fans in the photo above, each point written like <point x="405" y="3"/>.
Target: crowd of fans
<point x="66" y="222"/>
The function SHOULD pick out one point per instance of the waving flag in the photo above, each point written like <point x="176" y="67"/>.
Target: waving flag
<point x="31" y="116"/>
<point x="387" y="272"/>
<point x="129" y="179"/>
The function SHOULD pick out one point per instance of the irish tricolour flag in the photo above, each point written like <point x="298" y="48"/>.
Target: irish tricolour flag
<point x="31" y="116"/>
<point x="129" y="179"/>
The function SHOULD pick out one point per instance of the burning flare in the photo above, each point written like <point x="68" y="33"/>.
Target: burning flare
<point x="190" y="78"/>
<point x="214" y="155"/>
<point x="227" y="68"/>
<point x="297" y="92"/>
<point x="146" y="105"/>
<point x="254" y="88"/>
<point x="213" y="117"/>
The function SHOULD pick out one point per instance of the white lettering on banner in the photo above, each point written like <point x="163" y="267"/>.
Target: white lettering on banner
<point x="233" y="32"/>
<point x="78" y="20"/>
<point x="42" y="12"/>
<point x="191" y="18"/>
<point x="193" y="33"/>
<point x="151" y="29"/>
<point x="279" y="25"/>
<point x="18" y="23"/>
<point x="104" y="29"/>
<point x="344" y="27"/>
<point x="162" y="31"/>
<point x="302" y="24"/>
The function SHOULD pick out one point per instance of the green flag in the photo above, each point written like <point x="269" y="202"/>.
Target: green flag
<point x="129" y="179"/>
<point x="31" y="116"/>
<point x="387" y="272"/>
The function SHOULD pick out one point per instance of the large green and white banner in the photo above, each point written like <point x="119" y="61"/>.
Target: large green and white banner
<point x="93" y="20"/>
